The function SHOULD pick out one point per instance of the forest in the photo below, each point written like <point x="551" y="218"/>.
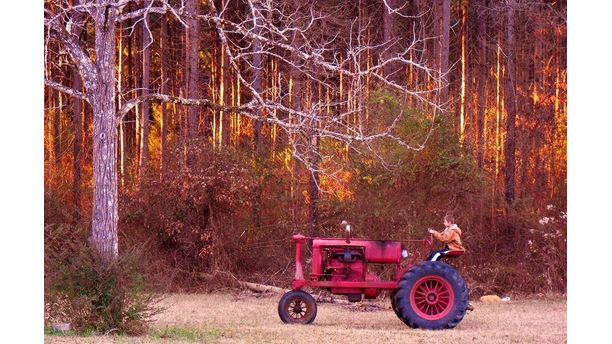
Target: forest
<point x="203" y="134"/>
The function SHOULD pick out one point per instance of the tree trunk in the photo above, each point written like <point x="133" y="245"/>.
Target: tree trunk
<point x="146" y="106"/>
<point x="540" y="111"/>
<point x="257" y="75"/>
<point x="56" y="122"/>
<point x="137" y="82"/>
<point x="482" y="78"/>
<point x="224" y="121"/>
<point x="104" y="215"/>
<point x="77" y="125"/>
<point x="193" y="58"/>
<point x="511" y="106"/>
<point x="121" y="157"/>
<point x="464" y="62"/>
<point x="163" y="41"/>
<point x="257" y="123"/>
<point x="391" y="70"/>
<point x="313" y="195"/>
<point x="129" y="121"/>
<point x="295" y="94"/>
<point x="224" y="95"/>
<point x="313" y="157"/>
<point x="444" y="48"/>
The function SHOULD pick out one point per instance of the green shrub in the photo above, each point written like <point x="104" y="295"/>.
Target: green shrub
<point x="80" y="290"/>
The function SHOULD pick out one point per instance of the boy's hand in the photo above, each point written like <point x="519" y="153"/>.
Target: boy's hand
<point x="430" y="231"/>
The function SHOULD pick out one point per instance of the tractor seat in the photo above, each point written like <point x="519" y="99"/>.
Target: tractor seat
<point x="452" y="253"/>
<point x="446" y="254"/>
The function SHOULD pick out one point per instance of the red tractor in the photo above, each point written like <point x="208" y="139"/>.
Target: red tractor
<point x="428" y="294"/>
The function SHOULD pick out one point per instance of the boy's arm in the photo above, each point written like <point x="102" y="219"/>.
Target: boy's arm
<point x="444" y="237"/>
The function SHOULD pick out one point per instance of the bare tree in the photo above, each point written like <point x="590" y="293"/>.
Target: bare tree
<point x="99" y="79"/>
<point x="265" y="30"/>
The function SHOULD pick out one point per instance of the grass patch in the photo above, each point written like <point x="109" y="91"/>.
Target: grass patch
<point x="181" y="333"/>
<point x="50" y="331"/>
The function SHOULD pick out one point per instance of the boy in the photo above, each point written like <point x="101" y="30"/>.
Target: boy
<point x="451" y="237"/>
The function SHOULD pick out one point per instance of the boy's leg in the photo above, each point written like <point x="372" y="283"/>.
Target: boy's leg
<point x="435" y="255"/>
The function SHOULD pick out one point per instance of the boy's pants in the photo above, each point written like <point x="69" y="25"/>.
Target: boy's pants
<point x="435" y="255"/>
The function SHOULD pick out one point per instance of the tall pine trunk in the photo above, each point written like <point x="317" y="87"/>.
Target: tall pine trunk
<point x="511" y="108"/>
<point x="146" y="106"/>
<point x="444" y="27"/>
<point x="464" y="62"/>
<point x="482" y="78"/>
<point x="390" y="70"/>
<point x="257" y="123"/>
<point x="193" y="58"/>
<point x="105" y="211"/>
<point x="163" y="41"/>
<point x="77" y="125"/>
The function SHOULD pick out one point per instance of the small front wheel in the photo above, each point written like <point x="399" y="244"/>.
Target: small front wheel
<point x="297" y="307"/>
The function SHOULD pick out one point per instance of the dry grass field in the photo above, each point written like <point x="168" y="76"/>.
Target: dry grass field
<point x="225" y="318"/>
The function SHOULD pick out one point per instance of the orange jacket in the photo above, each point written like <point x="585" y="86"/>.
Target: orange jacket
<point x="451" y="236"/>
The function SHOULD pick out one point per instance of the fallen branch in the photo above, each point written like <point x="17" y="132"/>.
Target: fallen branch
<point x="262" y="288"/>
<point x="326" y="298"/>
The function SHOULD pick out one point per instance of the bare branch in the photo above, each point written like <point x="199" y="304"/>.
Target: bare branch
<point x="69" y="91"/>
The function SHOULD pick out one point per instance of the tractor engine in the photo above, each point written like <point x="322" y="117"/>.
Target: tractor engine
<point x="343" y="263"/>
<point x="348" y="265"/>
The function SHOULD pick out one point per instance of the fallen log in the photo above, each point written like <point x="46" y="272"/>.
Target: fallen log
<point x="262" y="288"/>
<point x="326" y="298"/>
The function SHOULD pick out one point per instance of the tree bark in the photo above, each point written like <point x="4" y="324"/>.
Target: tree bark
<point x="391" y="70"/>
<point x="224" y="121"/>
<point x="313" y="177"/>
<point x="193" y="59"/>
<point x="295" y="94"/>
<point x="257" y="123"/>
<point x="163" y="41"/>
<point x="444" y="27"/>
<point x="224" y="93"/>
<point x="122" y="140"/>
<point x="56" y="122"/>
<point x="539" y="110"/>
<point x="511" y="107"/>
<point x="482" y="78"/>
<point x="146" y="106"/>
<point x="257" y="74"/>
<point x="77" y="125"/>
<point x="105" y="213"/>
<point x="462" y="112"/>
<point x="313" y="195"/>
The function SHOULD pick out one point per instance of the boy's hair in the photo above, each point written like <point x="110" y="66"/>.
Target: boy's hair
<point x="449" y="218"/>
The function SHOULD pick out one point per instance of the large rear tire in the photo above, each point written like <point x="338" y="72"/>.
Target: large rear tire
<point x="431" y="295"/>
<point x="395" y="310"/>
<point x="297" y="307"/>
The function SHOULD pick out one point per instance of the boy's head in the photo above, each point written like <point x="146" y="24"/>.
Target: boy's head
<point x="449" y="220"/>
